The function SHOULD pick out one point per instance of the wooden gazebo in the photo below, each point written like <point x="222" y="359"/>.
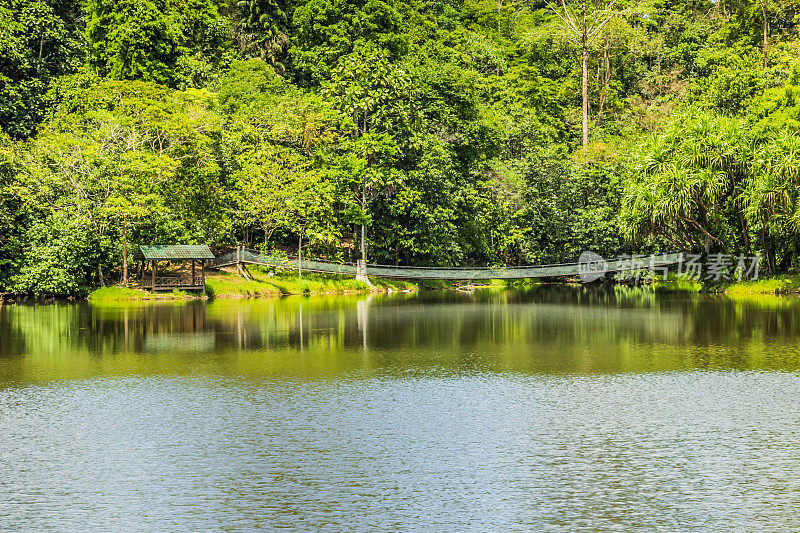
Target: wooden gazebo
<point x="180" y="279"/>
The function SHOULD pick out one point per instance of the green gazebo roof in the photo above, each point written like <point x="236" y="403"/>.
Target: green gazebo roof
<point x="167" y="252"/>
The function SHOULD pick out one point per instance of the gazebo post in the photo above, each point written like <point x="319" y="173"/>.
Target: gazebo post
<point x="153" y="275"/>
<point x="203" y="274"/>
<point x="194" y="279"/>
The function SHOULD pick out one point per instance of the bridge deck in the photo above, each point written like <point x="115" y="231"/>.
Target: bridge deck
<point x="247" y="256"/>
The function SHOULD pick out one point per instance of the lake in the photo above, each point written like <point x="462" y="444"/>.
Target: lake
<point x="558" y="408"/>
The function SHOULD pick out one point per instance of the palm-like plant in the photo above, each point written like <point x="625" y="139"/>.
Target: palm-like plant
<point x="262" y="30"/>
<point x="684" y="184"/>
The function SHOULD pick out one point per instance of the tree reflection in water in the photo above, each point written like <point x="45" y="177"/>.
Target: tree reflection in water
<point x="548" y="329"/>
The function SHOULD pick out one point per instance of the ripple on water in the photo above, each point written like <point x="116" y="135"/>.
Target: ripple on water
<point x="707" y="450"/>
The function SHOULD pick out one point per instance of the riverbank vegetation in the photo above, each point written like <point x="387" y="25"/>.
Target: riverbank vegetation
<point x="266" y="283"/>
<point x="469" y="132"/>
<point x="116" y="293"/>
<point x="771" y="285"/>
<point x="785" y="284"/>
<point x="261" y="282"/>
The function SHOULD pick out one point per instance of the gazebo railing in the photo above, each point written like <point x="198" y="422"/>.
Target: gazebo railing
<point x="173" y="281"/>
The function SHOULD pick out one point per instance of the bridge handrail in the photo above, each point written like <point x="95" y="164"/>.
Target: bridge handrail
<point x="249" y="255"/>
<point x="382" y="265"/>
<point x="411" y="267"/>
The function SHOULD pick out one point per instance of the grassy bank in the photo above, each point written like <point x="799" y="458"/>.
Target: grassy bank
<point x="283" y="283"/>
<point x="262" y="283"/>
<point x="265" y="283"/>
<point x="782" y="284"/>
<point x="677" y="285"/>
<point x="774" y="285"/>
<point x="125" y="294"/>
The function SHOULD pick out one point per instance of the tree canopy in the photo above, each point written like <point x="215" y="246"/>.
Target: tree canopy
<point x="435" y="133"/>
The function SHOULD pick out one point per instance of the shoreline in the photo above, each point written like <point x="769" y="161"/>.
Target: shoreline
<point x="778" y="285"/>
<point x="263" y="284"/>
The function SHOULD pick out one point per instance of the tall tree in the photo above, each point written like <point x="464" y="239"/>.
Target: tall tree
<point x="583" y="22"/>
<point x="764" y="28"/>
<point x="783" y="14"/>
<point x="376" y="94"/>
<point x="365" y="170"/>
<point x="269" y="184"/>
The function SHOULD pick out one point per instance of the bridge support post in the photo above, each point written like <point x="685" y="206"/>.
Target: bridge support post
<point x="361" y="271"/>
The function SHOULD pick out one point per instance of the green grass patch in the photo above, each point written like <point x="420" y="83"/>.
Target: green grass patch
<point x="783" y="284"/>
<point x="435" y="284"/>
<point x="677" y="285"/>
<point x="774" y="285"/>
<point x="116" y="293"/>
<point x="265" y="282"/>
<point x="525" y="283"/>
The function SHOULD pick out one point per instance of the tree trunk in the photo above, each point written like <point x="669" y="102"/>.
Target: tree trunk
<point x="766" y="29"/>
<point x="300" y="255"/>
<point x="363" y="228"/>
<point x="100" y="274"/>
<point x="604" y="78"/>
<point x="745" y="231"/>
<point x="363" y="243"/>
<point x="585" y="90"/>
<point x="785" y="263"/>
<point x="125" y="250"/>
<point x="765" y="248"/>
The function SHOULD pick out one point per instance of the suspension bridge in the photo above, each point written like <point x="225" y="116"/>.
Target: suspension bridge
<point x="243" y="256"/>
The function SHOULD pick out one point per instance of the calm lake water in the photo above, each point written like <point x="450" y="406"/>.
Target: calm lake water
<point x="555" y="409"/>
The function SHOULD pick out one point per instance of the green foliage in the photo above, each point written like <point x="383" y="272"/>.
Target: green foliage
<point x="325" y="30"/>
<point x="262" y="30"/>
<point x="12" y="222"/>
<point x="730" y="88"/>
<point x="685" y="183"/>
<point x="372" y="91"/>
<point x="58" y="257"/>
<point x="39" y="40"/>
<point x="275" y="188"/>
<point x="419" y="222"/>
<point x="148" y="40"/>
<point x="779" y="108"/>
<point x="714" y="183"/>
<point x="445" y="133"/>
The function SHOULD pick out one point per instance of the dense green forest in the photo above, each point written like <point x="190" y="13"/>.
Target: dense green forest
<point x="463" y="132"/>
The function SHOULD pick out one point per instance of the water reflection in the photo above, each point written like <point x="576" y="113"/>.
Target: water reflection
<point x="549" y="329"/>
